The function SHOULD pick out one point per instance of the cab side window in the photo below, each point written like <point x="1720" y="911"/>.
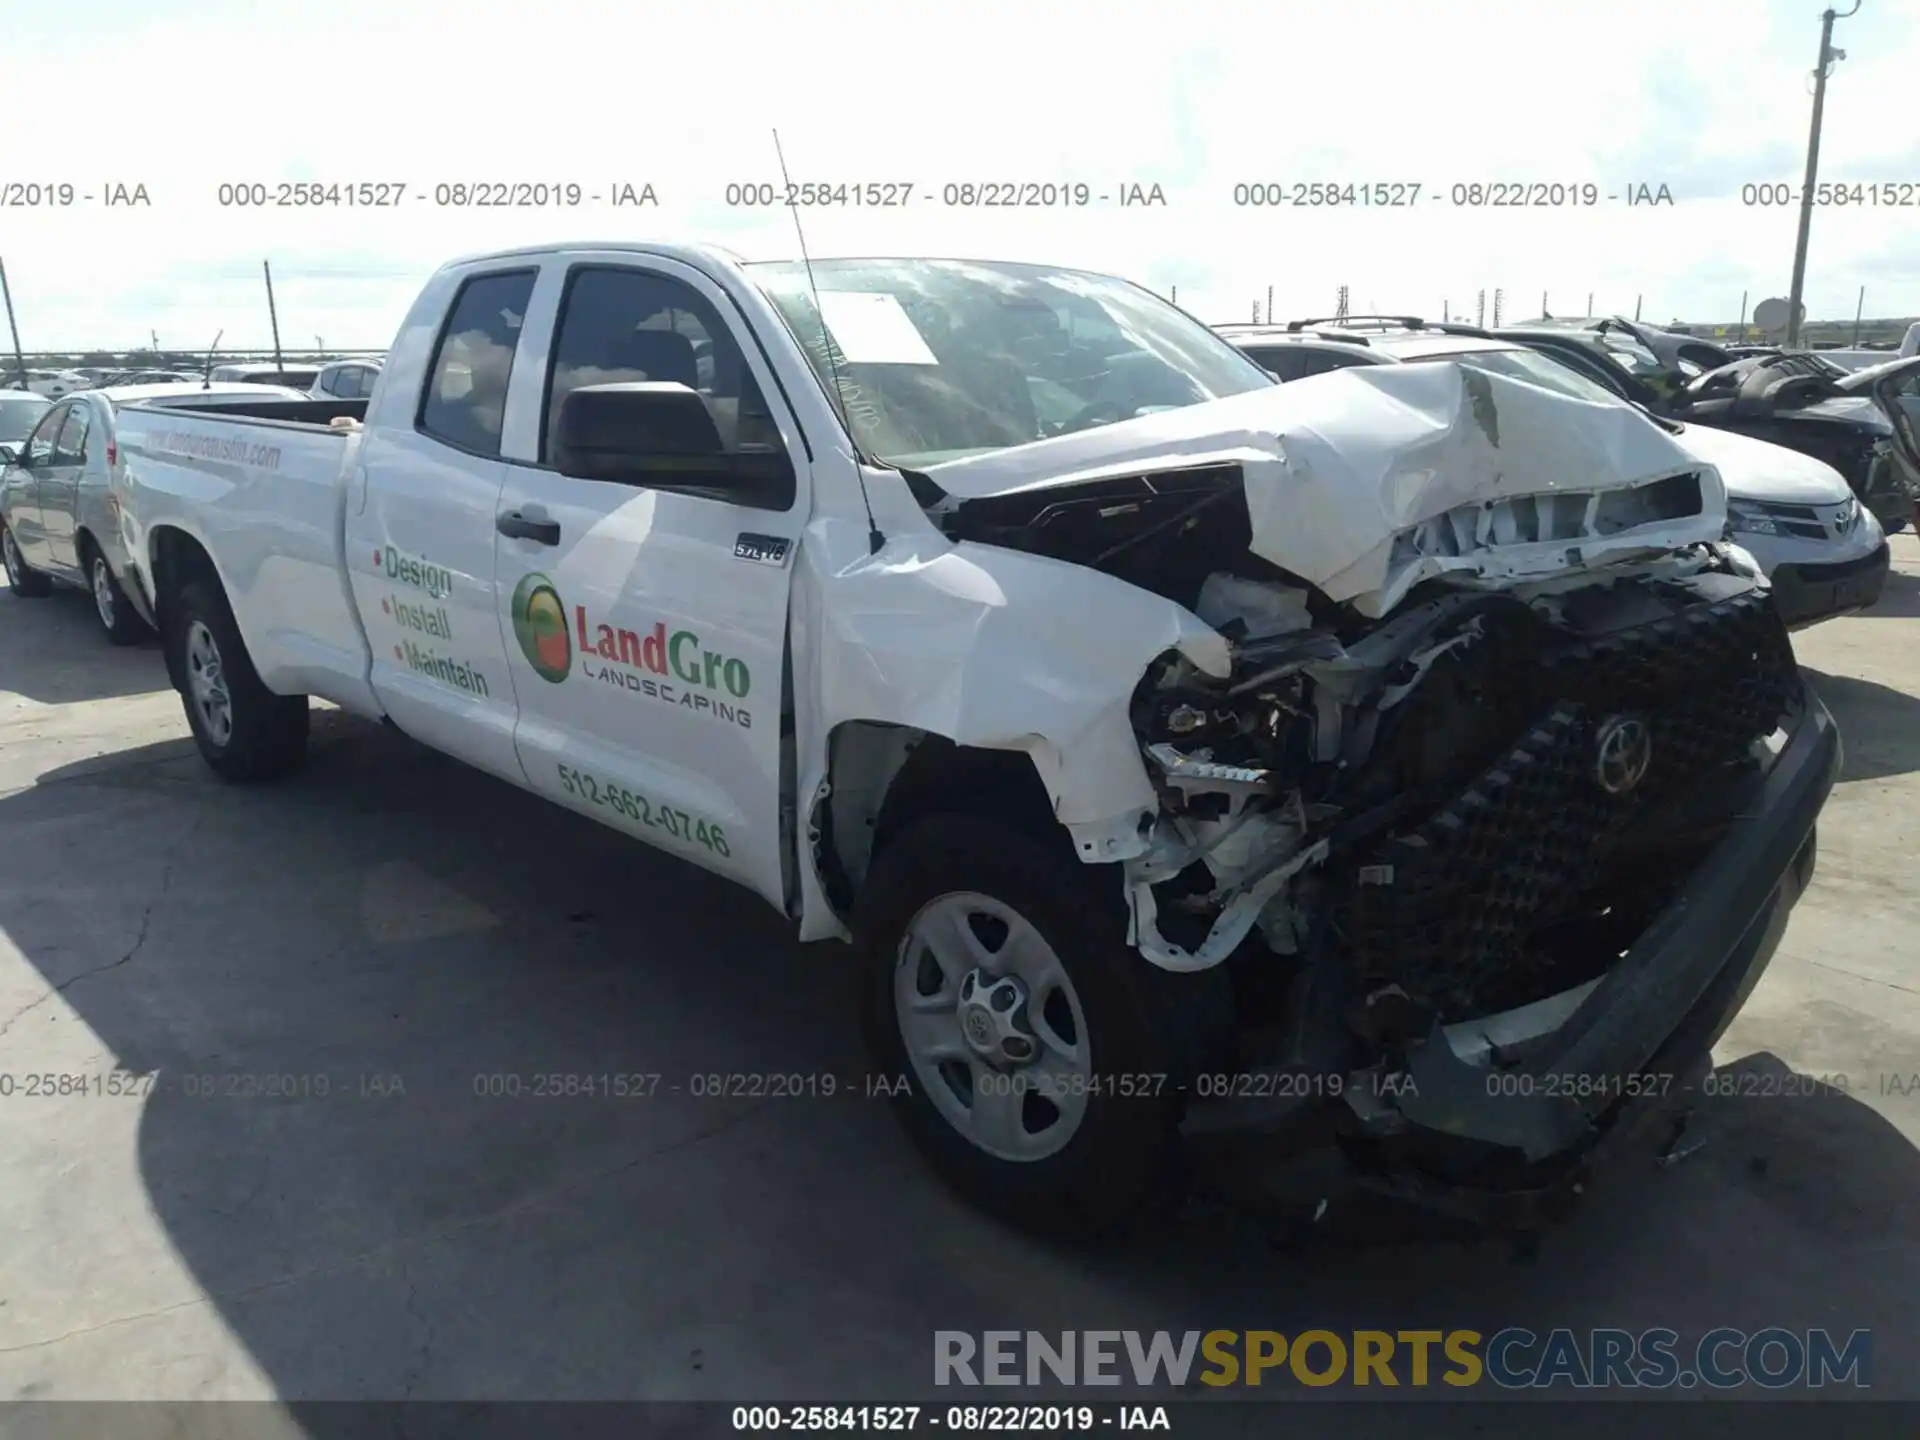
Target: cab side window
<point x="622" y="325"/>
<point x="466" y="396"/>
<point x="71" y="448"/>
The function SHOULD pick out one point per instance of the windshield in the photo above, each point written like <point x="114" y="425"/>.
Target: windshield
<point x="1633" y="357"/>
<point x="1532" y="366"/>
<point x="939" y="359"/>
<point x="18" y="416"/>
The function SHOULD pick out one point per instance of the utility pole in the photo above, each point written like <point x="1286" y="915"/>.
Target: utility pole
<point x="1858" y="308"/>
<point x="273" y="315"/>
<point x="1827" y="56"/>
<point x="19" y="360"/>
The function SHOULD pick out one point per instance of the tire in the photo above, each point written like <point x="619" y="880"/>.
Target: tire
<point x="116" y="613"/>
<point x="255" y="734"/>
<point x="27" y="584"/>
<point x="1119" y="1162"/>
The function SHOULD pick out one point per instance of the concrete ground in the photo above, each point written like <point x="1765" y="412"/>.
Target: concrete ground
<point x="387" y="930"/>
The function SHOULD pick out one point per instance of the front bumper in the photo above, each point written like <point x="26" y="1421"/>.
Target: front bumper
<point x="1503" y="1127"/>
<point x="1806" y="593"/>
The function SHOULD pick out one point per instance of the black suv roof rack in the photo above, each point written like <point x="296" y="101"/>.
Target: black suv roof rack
<point x="1341" y="327"/>
<point x="1405" y="322"/>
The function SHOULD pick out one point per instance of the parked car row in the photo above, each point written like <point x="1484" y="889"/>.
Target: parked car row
<point x="348" y="379"/>
<point x="60" y="489"/>
<point x="1816" y="529"/>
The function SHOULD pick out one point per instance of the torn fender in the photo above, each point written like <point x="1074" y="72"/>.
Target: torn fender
<point x="989" y="648"/>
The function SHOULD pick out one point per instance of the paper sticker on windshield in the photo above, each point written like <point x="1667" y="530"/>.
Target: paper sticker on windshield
<point x="871" y="329"/>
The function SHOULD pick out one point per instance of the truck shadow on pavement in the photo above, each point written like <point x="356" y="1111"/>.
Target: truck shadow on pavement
<point x="1900" y="600"/>
<point x="1879" y="726"/>
<point x="53" y="652"/>
<point x="446" y="1107"/>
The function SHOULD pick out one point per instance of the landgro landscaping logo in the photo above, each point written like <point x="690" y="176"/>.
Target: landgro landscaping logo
<point x="540" y="625"/>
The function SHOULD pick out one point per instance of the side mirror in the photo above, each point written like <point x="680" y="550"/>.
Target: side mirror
<point x="661" y="435"/>
<point x="6" y="454"/>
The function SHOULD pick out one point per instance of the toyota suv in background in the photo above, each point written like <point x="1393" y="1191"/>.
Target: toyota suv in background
<point x="346" y="380"/>
<point x="1793" y="398"/>
<point x="1823" y="551"/>
<point x="294" y="377"/>
<point x="60" y="496"/>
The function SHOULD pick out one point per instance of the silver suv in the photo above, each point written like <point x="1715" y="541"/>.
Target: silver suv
<point x="1825" y="554"/>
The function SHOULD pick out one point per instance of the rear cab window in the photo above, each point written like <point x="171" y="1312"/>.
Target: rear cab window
<point x="465" y="400"/>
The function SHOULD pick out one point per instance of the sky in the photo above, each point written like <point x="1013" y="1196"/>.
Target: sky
<point x="1701" y="96"/>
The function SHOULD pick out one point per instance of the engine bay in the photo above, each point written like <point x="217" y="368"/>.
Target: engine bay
<point x="1423" y="799"/>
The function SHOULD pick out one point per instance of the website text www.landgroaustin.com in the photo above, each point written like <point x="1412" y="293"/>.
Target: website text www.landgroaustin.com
<point x="1514" y="1358"/>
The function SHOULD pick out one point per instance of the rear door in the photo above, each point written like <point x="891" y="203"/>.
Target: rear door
<point x="649" y="627"/>
<point x="420" y="532"/>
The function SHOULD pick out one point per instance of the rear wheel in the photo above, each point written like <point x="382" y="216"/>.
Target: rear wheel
<point x="27" y="583"/>
<point x="117" y="615"/>
<point x="1037" y="1058"/>
<point x="243" y="729"/>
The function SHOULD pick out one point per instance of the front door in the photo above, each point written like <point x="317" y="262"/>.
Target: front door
<point x="420" y="536"/>
<point x="59" y="486"/>
<point x="650" y="627"/>
<point x="23" y="487"/>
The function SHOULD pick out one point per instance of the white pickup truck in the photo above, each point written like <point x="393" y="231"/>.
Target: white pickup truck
<point x="1185" y="754"/>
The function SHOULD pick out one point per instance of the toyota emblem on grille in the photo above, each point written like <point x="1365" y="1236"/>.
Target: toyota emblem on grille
<point x="1624" y="754"/>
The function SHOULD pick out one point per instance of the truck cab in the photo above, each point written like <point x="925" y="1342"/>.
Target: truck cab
<point x="603" y="641"/>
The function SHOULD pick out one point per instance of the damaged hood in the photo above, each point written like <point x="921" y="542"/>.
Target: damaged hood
<point x="1365" y="481"/>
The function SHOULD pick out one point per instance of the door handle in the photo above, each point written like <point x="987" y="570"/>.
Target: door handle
<point x="519" y="527"/>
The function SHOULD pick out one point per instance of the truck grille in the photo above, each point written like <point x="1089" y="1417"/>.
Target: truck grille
<point x="1447" y="910"/>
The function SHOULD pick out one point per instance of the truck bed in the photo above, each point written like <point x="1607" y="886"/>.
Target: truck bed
<point x="311" y="414"/>
<point x="260" y="488"/>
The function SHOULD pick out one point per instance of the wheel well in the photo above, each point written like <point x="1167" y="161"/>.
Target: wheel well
<point x="882" y="778"/>
<point x="178" y="560"/>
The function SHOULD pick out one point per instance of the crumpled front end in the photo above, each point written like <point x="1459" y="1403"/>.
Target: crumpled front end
<point x="1495" y="692"/>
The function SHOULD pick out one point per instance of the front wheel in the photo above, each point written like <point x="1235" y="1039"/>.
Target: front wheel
<point x="117" y="615"/>
<point x="28" y="584"/>
<point x="1030" y="1054"/>
<point x="244" y="730"/>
